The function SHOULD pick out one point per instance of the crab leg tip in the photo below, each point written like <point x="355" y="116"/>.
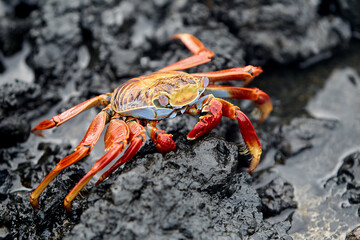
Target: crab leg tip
<point x="256" y="71"/>
<point x="38" y="133"/>
<point x="67" y="205"/>
<point x="256" y="152"/>
<point x="99" y="181"/>
<point x="43" y="125"/>
<point x="34" y="202"/>
<point x="190" y="138"/>
<point x="265" y="105"/>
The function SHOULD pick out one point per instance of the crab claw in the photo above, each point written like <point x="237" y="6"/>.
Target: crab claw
<point x="165" y="143"/>
<point x="207" y="122"/>
<point x="42" y="126"/>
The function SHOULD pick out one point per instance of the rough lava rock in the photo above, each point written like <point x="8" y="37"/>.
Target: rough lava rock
<point x="313" y="149"/>
<point x="276" y="196"/>
<point x="282" y="31"/>
<point x="196" y="194"/>
<point x="21" y="102"/>
<point x="348" y="177"/>
<point x="354" y="234"/>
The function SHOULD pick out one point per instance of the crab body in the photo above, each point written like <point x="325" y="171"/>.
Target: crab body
<point x="139" y="97"/>
<point x="136" y="106"/>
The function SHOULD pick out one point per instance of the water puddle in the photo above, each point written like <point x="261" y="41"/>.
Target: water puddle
<point x="327" y="98"/>
<point x="16" y="67"/>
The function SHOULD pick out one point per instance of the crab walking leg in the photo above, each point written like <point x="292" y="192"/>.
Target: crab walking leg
<point x="201" y="53"/>
<point x="216" y="108"/>
<point x="137" y="138"/>
<point x="84" y="148"/>
<point x="247" y="73"/>
<point x="247" y="131"/>
<point x="163" y="141"/>
<point x="116" y="137"/>
<point x="262" y="100"/>
<point x="59" y="119"/>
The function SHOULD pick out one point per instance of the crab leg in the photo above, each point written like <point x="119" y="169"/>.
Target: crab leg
<point x="201" y="53"/>
<point x="137" y="138"/>
<point x="247" y="131"/>
<point x="116" y="137"/>
<point x="216" y="108"/>
<point x="247" y="73"/>
<point x="163" y="141"/>
<point x="84" y="148"/>
<point x="59" y="119"/>
<point x="261" y="99"/>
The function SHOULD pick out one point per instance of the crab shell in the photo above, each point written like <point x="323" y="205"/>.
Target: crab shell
<point x="158" y="95"/>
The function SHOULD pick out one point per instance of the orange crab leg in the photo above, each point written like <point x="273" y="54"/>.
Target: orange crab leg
<point x="247" y="73"/>
<point x="201" y="53"/>
<point x="137" y="138"/>
<point x="247" y="131"/>
<point x="84" y="148"/>
<point x="217" y="108"/>
<point x="163" y="141"/>
<point x="59" y="119"/>
<point x="261" y="99"/>
<point x="116" y="140"/>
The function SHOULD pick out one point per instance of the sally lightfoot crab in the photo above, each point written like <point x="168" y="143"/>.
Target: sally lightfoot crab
<point x="140" y="103"/>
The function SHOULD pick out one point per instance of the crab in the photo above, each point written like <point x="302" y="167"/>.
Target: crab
<point x="136" y="107"/>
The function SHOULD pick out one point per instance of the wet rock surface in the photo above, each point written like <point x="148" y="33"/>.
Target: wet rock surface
<point x="283" y="32"/>
<point x="276" y="197"/>
<point x="21" y="102"/>
<point x="178" y="196"/>
<point x="79" y="49"/>
<point x="313" y="146"/>
<point x="354" y="234"/>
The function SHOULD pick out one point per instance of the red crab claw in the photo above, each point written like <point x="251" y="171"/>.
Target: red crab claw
<point x="207" y="122"/>
<point x="163" y="141"/>
<point x="217" y="107"/>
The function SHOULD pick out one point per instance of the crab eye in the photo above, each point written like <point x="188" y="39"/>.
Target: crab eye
<point x="163" y="100"/>
<point x="205" y="81"/>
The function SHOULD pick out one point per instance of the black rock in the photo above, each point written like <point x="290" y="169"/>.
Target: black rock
<point x="19" y="217"/>
<point x="283" y="32"/>
<point x="354" y="234"/>
<point x="13" y="130"/>
<point x="276" y="196"/>
<point x="12" y="34"/>
<point x="188" y="194"/>
<point x="20" y="102"/>
<point x="348" y="177"/>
